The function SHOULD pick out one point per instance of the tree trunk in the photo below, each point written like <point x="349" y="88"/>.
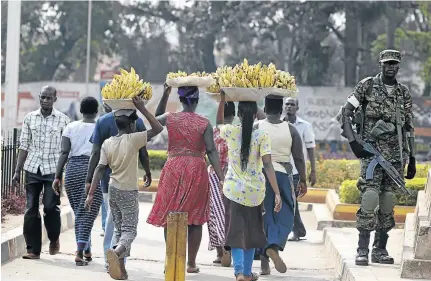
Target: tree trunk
<point x="350" y="45"/>
<point x="391" y="19"/>
<point x="208" y="57"/>
<point x="427" y="90"/>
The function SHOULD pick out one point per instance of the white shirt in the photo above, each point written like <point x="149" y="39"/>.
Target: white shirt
<point x="306" y="133"/>
<point x="79" y="134"/>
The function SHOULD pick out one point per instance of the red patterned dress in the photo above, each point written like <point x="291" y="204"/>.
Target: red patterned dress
<point x="183" y="185"/>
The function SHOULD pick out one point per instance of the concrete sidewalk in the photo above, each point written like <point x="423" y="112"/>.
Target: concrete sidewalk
<point x="306" y="260"/>
<point x="341" y="244"/>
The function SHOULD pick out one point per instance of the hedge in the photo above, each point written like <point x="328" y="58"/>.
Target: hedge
<point x="350" y="194"/>
<point x="330" y="172"/>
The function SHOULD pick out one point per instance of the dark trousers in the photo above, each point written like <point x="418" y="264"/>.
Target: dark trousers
<point x="298" y="226"/>
<point x="34" y="184"/>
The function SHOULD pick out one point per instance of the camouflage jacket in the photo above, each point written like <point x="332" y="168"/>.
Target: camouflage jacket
<point x="381" y="105"/>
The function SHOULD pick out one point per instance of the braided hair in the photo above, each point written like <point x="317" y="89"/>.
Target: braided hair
<point x="247" y="111"/>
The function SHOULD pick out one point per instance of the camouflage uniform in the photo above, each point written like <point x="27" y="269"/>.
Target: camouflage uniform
<point x="377" y="195"/>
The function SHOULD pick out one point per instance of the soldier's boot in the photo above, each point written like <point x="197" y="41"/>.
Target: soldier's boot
<point x="363" y="251"/>
<point x="379" y="254"/>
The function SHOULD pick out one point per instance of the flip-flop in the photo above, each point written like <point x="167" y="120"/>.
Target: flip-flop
<point x="226" y="259"/>
<point x="280" y="266"/>
<point x="114" y="265"/>
<point x="193" y="270"/>
<point x="254" y="276"/>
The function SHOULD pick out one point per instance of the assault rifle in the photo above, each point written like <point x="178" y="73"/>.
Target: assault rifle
<point x="387" y="166"/>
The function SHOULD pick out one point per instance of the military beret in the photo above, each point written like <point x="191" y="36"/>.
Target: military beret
<point x="389" y="55"/>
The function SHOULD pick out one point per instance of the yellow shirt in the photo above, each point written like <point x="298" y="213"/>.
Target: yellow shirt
<point x="245" y="187"/>
<point x="121" y="155"/>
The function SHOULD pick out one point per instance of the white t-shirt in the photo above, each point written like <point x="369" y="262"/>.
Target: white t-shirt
<point x="305" y="130"/>
<point x="79" y="134"/>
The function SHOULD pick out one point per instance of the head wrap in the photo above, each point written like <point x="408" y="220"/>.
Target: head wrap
<point x="188" y="92"/>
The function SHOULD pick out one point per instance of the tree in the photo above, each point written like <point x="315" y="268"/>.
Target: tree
<point x="414" y="39"/>
<point x="53" y="37"/>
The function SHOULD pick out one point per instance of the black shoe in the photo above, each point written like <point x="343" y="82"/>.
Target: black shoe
<point x="363" y="251"/>
<point x="379" y="254"/>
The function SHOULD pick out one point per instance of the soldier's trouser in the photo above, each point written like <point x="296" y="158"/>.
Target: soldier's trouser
<point x="377" y="199"/>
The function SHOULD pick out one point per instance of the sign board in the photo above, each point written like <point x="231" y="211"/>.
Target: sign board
<point x="106" y="77"/>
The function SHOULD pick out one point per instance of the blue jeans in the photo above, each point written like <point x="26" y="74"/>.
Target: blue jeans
<point x="242" y="261"/>
<point x="109" y="239"/>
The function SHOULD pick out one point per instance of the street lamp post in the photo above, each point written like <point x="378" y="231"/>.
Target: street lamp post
<point x="12" y="63"/>
<point x="87" y="72"/>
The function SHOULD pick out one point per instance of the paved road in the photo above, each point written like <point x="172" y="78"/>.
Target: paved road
<point x="306" y="260"/>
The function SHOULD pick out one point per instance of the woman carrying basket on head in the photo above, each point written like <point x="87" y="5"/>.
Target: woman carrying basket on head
<point x="184" y="184"/>
<point x="244" y="187"/>
<point x="285" y="142"/>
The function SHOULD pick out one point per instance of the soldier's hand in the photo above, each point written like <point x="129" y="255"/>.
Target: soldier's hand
<point x="411" y="168"/>
<point x="358" y="150"/>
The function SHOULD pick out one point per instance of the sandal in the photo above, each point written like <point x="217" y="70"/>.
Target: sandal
<point x="226" y="259"/>
<point x="79" y="260"/>
<point x="193" y="269"/>
<point x="114" y="265"/>
<point x="240" y="277"/>
<point x="280" y="266"/>
<point x="88" y="256"/>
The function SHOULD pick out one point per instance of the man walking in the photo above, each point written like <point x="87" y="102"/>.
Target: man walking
<point x="308" y="143"/>
<point x="381" y="109"/>
<point x="38" y="154"/>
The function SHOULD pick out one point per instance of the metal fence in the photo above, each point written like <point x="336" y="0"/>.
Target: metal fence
<point x="9" y="154"/>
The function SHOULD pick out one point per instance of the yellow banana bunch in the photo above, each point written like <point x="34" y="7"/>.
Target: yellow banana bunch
<point x="200" y="74"/>
<point x="214" y="88"/>
<point x="126" y="86"/>
<point x="245" y="75"/>
<point x="172" y="75"/>
<point x="284" y="80"/>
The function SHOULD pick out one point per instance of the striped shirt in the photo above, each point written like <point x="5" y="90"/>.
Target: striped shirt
<point x="41" y="138"/>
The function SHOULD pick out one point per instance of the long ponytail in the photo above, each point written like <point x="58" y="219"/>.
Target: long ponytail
<point x="246" y="111"/>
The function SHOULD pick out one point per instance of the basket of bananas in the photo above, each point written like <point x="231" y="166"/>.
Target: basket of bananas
<point x="246" y="82"/>
<point x="182" y="79"/>
<point x="213" y="91"/>
<point x="119" y="92"/>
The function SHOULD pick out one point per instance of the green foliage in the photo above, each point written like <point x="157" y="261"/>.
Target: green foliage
<point x="54" y="37"/>
<point x="350" y="194"/>
<point x="417" y="38"/>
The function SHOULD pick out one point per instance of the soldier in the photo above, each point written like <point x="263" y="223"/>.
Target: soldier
<point x="381" y="109"/>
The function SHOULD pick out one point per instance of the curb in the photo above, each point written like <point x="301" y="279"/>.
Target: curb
<point x="13" y="242"/>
